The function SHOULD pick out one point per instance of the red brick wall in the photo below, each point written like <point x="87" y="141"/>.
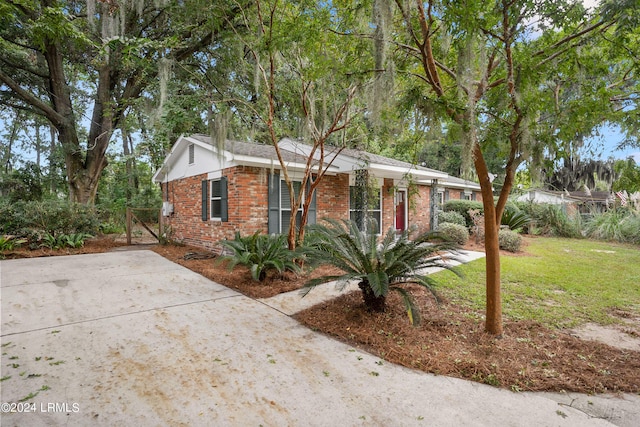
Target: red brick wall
<point x="247" y="192"/>
<point x="332" y="197"/>
<point x="248" y="205"/>
<point x="388" y="205"/>
<point x="419" y="207"/>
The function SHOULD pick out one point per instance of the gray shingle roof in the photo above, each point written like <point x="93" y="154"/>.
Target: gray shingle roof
<point x="263" y="151"/>
<point x="267" y="151"/>
<point x="381" y="160"/>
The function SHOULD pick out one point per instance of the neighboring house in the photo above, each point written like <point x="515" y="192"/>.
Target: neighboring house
<point x="582" y="202"/>
<point x="209" y="194"/>
<point x="591" y="202"/>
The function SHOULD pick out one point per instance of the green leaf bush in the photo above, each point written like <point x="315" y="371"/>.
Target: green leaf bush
<point x="454" y="232"/>
<point x="30" y="219"/>
<point x="551" y="220"/>
<point x="509" y="240"/>
<point x="463" y="207"/>
<point x="452" y="217"/>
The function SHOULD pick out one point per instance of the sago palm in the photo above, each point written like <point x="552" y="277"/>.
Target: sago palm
<point x="379" y="267"/>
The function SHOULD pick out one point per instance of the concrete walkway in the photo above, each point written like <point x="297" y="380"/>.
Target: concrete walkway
<point x="130" y="338"/>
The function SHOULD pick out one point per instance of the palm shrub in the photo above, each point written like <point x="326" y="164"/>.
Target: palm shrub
<point x="514" y="218"/>
<point x="378" y="267"/>
<point x="261" y="253"/>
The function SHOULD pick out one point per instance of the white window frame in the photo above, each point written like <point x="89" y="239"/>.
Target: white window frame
<point x="371" y="212"/>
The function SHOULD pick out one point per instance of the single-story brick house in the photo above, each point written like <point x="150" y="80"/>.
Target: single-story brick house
<point x="209" y="194"/>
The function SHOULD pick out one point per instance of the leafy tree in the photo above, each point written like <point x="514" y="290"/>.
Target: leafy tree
<point x="61" y="57"/>
<point x="298" y="77"/>
<point x="576" y="175"/>
<point x="628" y="172"/>
<point x="24" y="183"/>
<point x="484" y="66"/>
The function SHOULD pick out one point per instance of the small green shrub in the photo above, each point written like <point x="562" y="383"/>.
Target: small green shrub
<point x="261" y="253"/>
<point x="509" y="240"/>
<point x="463" y="207"/>
<point x="552" y="220"/>
<point x="75" y="240"/>
<point x="9" y="243"/>
<point x="11" y="216"/>
<point x="451" y="217"/>
<point x="111" y="228"/>
<point x="618" y="224"/>
<point x="454" y="232"/>
<point x="47" y="216"/>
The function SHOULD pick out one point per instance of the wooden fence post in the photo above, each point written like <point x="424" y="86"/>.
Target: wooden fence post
<point x="129" y="225"/>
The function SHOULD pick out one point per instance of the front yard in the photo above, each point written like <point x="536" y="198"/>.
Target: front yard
<point x="550" y="290"/>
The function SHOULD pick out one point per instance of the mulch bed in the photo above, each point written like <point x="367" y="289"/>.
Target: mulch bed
<point x="451" y="341"/>
<point x="240" y="277"/>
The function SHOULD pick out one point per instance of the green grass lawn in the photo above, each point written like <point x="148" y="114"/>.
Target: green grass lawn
<point x="558" y="282"/>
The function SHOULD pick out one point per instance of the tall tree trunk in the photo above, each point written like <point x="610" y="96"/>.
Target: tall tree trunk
<point x="127" y="148"/>
<point x="52" y="163"/>
<point x="493" y="321"/>
<point x="12" y="138"/>
<point x="38" y="145"/>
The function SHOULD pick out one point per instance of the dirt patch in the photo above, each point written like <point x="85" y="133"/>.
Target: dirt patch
<point x="625" y="335"/>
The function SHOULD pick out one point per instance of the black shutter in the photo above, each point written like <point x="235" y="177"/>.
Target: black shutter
<point x="205" y="200"/>
<point x="273" y="222"/>
<point x="224" y="200"/>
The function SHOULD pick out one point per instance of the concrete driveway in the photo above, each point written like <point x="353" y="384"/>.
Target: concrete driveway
<point x="130" y="338"/>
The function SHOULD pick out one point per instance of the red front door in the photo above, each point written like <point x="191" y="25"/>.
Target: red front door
<point x="401" y="201"/>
